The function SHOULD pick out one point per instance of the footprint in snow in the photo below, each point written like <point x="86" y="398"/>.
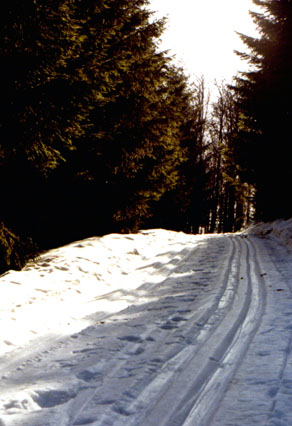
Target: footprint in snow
<point x="178" y="318"/>
<point x="168" y="326"/>
<point x="83" y="421"/>
<point x="52" y="398"/>
<point x="139" y="351"/>
<point x="89" y="376"/>
<point x="62" y="268"/>
<point x="134" y="339"/>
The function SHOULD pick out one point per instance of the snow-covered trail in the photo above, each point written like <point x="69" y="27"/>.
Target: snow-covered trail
<point x="175" y="330"/>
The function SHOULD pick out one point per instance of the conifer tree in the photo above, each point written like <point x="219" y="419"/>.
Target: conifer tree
<point x="182" y="207"/>
<point x="265" y="101"/>
<point x="41" y="114"/>
<point x="130" y="156"/>
<point x="94" y="122"/>
<point x="40" y="103"/>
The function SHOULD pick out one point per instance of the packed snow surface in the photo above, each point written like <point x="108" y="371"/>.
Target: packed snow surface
<point x="157" y="328"/>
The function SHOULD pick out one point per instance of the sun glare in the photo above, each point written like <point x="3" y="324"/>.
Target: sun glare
<point x="202" y="34"/>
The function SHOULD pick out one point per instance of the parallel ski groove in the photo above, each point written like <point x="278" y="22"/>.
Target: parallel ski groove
<point x="205" y="407"/>
<point x="173" y="369"/>
<point x="210" y="320"/>
<point x="224" y="297"/>
<point x="210" y="354"/>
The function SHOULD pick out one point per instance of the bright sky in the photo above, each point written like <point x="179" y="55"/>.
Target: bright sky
<point x="201" y="33"/>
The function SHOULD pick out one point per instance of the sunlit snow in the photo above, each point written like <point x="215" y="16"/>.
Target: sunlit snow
<point x="155" y="328"/>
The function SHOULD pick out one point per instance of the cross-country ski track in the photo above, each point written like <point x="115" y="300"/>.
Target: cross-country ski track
<point x="158" y="329"/>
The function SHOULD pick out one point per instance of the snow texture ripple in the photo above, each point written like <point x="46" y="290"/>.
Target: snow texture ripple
<point x="155" y="328"/>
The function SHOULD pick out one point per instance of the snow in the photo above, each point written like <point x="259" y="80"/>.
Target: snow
<point x="282" y="229"/>
<point x="157" y="328"/>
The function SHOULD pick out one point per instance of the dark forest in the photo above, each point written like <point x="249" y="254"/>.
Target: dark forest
<point x="101" y="132"/>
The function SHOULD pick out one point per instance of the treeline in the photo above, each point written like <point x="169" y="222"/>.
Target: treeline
<point x="250" y="127"/>
<point x="264" y="98"/>
<point x="100" y="132"/>
<point x="96" y="124"/>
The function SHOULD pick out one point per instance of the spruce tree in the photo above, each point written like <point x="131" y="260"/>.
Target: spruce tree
<point x="130" y="156"/>
<point x="265" y="101"/>
<point x="40" y="101"/>
<point x="41" y="114"/>
<point x="95" y="120"/>
<point x="182" y="207"/>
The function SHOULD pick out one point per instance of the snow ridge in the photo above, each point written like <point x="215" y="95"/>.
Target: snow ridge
<point x="156" y="328"/>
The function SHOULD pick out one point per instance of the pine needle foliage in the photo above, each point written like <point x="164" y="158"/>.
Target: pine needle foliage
<point x="94" y="121"/>
<point x="265" y="101"/>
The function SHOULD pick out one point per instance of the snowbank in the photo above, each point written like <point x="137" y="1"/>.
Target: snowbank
<point x="154" y="328"/>
<point x="281" y="229"/>
<point x="57" y="293"/>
